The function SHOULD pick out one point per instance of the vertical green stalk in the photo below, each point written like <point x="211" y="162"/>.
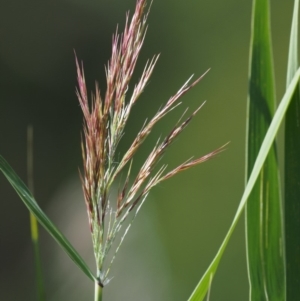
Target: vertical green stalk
<point x="33" y="221"/>
<point x="292" y="172"/>
<point x="264" y="235"/>
<point x="98" y="291"/>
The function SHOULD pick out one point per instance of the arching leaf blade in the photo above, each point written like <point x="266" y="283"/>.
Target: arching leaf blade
<point x="34" y="208"/>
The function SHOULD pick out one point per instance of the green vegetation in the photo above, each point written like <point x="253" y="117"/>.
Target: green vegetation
<point x="272" y="219"/>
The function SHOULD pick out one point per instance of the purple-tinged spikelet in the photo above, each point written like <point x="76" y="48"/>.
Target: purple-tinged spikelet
<point x="104" y="122"/>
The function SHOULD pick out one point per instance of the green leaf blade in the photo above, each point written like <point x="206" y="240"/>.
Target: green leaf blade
<point x="203" y="286"/>
<point x="264" y="232"/>
<point x="292" y="172"/>
<point x="34" y="208"/>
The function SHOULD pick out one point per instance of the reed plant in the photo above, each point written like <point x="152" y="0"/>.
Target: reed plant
<point x="272" y="239"/>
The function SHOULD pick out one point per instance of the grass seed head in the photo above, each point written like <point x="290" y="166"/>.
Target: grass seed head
<point x="104" y="123"/>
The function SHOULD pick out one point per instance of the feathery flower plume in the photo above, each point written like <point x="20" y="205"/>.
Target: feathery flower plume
<point x="104" y="122"/>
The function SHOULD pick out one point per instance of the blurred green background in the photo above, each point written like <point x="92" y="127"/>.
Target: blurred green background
<point x="181" y="226"/>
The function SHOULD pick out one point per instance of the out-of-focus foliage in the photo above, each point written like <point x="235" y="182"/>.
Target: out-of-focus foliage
<point x="292" y="171"/>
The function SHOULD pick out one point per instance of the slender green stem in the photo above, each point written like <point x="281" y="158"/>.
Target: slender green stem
<point x="98" y="291"/>
<point x="41" y="294"/>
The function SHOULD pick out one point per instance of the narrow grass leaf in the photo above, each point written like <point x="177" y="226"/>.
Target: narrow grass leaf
<point x="34" y="208"/>
<point x="203" y="286"/>
<point x="292" y="172"/>
<point x="264" y="232"/>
